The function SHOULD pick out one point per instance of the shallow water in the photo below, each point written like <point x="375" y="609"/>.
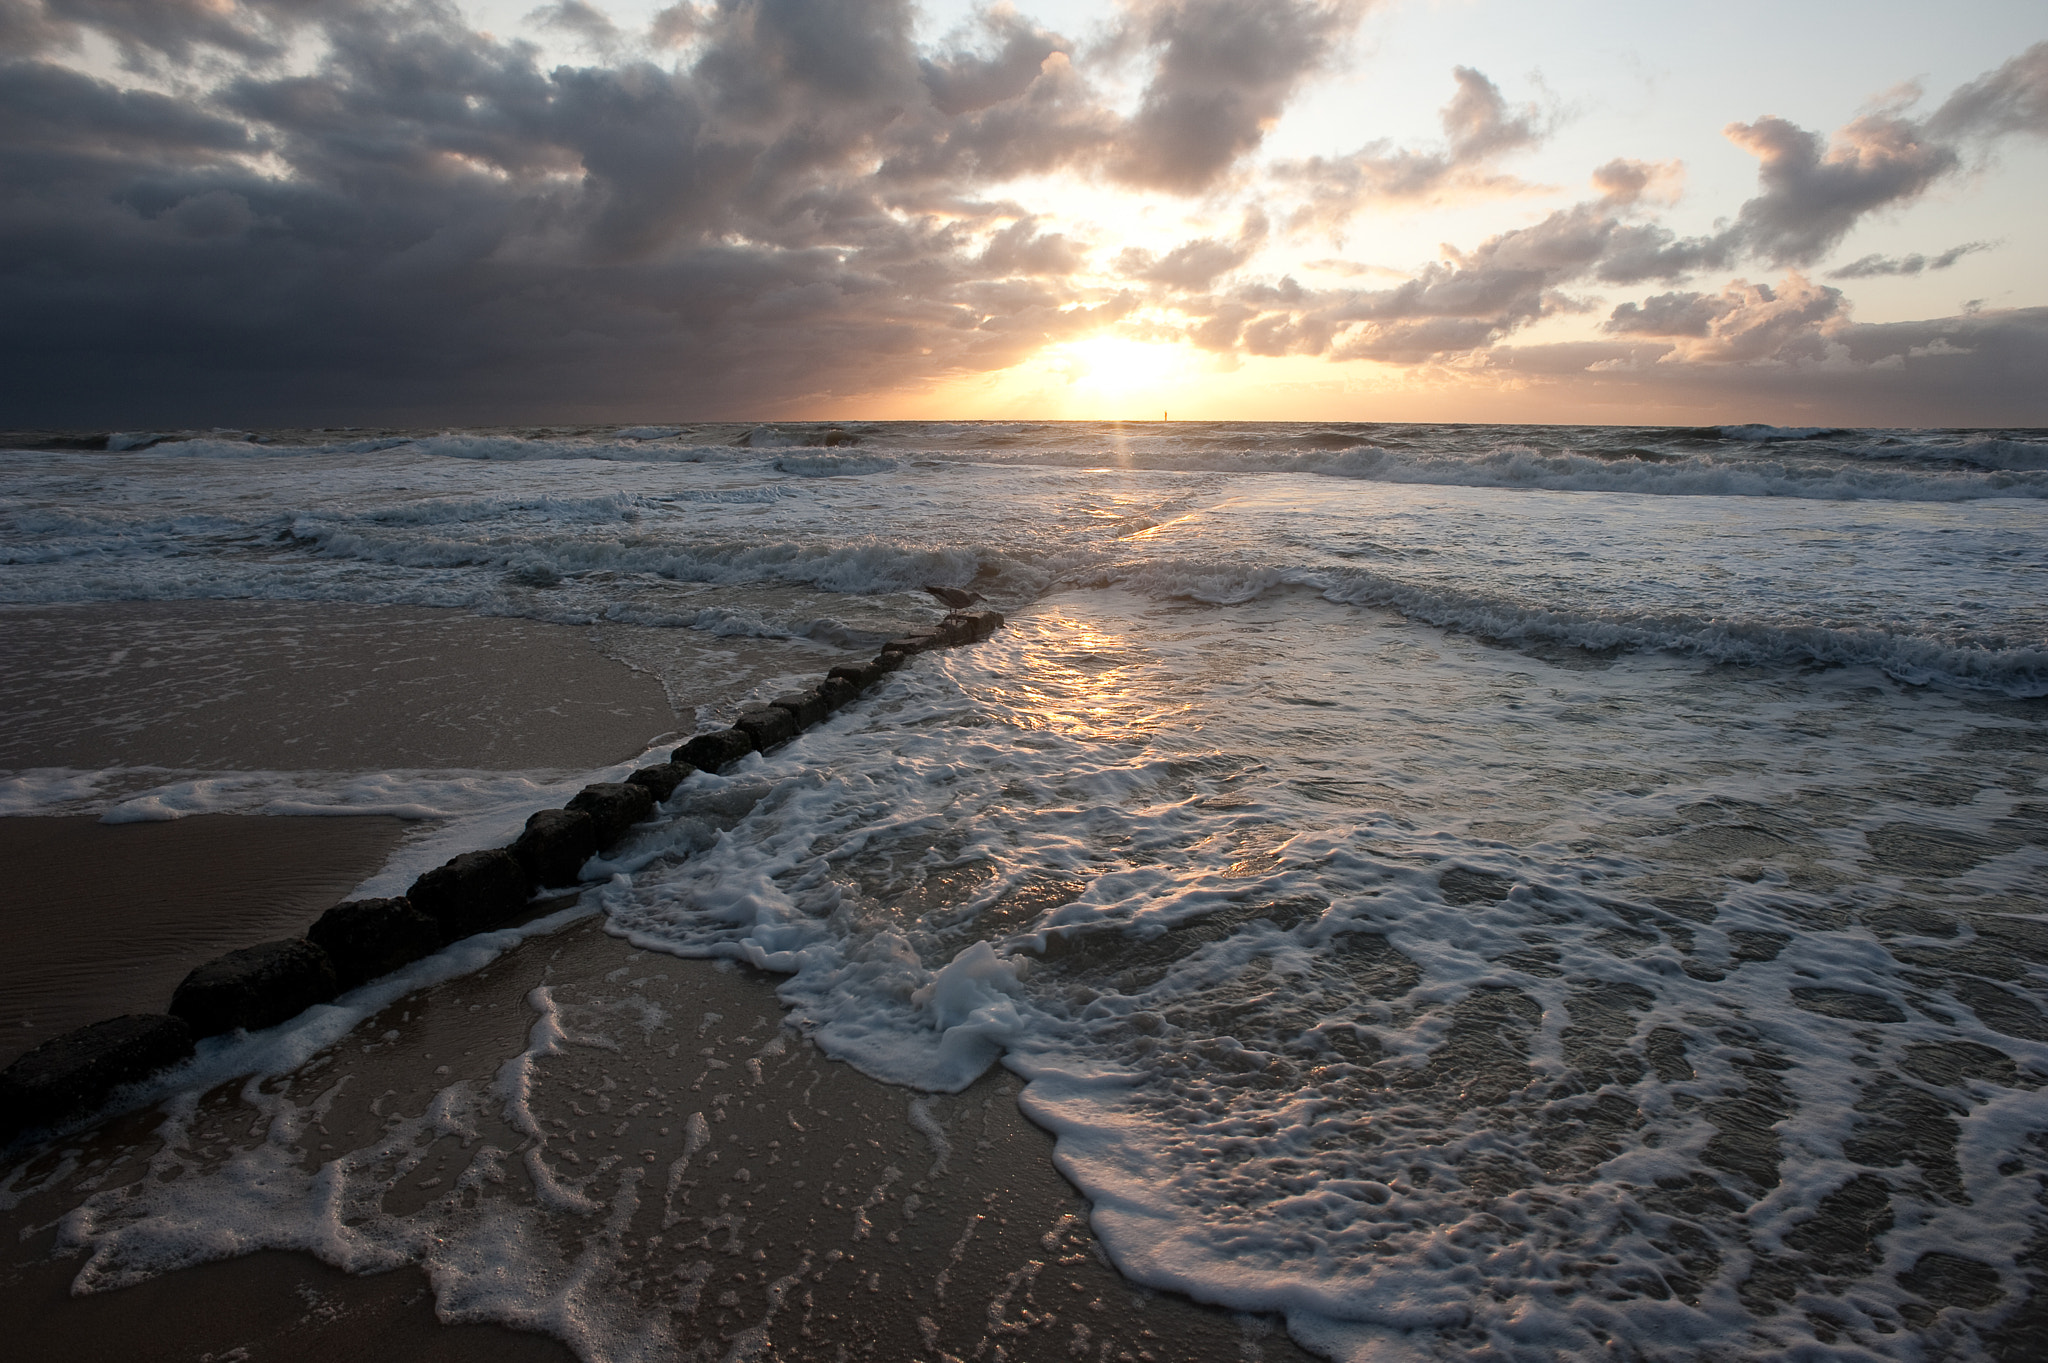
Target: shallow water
<point x="1453" y="887"/>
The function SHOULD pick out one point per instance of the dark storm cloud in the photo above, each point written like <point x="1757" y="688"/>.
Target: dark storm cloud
<point x="1479" y="128"/>
<point x="410" y="220"/>
<point x="1003" y="100"/>
<point x="462" y="234"/>
<point x="1875" y="266"/>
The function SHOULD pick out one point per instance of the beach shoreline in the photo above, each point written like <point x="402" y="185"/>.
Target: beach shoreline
<point x="951" y="1232"/>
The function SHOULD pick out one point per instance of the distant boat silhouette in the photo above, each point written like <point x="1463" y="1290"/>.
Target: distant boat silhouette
<point x="954" y="597"/>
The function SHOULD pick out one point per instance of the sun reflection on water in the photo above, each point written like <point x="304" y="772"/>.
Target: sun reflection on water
<point x="1092" y="683"/>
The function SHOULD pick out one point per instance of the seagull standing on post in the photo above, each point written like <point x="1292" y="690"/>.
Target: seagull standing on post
<point x="954" y="598"/>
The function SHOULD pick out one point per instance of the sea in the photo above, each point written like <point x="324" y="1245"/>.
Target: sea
<point x="1462" y="890"/>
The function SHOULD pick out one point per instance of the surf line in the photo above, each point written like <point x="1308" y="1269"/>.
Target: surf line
<point x="78" y="1074"/>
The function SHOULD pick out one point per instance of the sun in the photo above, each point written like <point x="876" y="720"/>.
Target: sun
<point x="1117" y="376"/>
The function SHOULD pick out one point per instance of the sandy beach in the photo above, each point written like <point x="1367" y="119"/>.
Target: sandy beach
<point x="758" y="1198"/>
<point x="102" y="919"/>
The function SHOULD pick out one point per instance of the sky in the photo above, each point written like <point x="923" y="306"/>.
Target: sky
<point x="492" y="212"/>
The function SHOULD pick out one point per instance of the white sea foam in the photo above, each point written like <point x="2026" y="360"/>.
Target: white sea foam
<point x="1175" y="1061"/>
<point x="43" y="789"/>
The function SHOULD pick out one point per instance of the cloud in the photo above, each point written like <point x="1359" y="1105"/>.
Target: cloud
<point x="1224" y="71"/>
<point x="1020" y="249"/>
<point x="1743" y="323"/>
<point x="1196" y="265"/>
<point x="176" y="29"/>
<point x="2012" y="99"/>
<point x="1020" y="110"/>
<point x="1479" y="128"/>
<point x="761" y="203"/>
<point x="1815" y="192"/>
<point x="1875" y="266"/>
<point x="965" y="81"/>
<point x="1979" y="369"/>
<point x="589" y="23"/>
<point x="675" y="25"/>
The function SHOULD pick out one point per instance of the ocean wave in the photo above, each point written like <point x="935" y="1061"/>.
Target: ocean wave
<point x="599" y="510"/>
<point x="2009" y="455"/>
<point x="1757" y="433"/>
<point x="1824" y="463"/>
<point x="2018" y="671"/>
<point x="1519" y="466"/>
<point x="1526" y="467"/>
<point x="518" y="449"/>
<point x="862" y="566"/>
<point x="831" y="465"/>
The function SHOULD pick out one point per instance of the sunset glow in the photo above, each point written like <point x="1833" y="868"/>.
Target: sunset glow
<point x="1322" y="209"/>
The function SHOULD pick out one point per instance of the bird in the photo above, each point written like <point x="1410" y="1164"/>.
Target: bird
<point x="954" y="598"/>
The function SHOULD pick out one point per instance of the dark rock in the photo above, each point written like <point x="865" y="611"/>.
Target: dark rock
<point x="79" y="1069"/>
<point x="365" y="938"/>
<point x="838" y="692"/>
<point x="661" y="781"/>
<point x="913" y="643"/>
<point x="807" y="708"/>
<point x="954" y="631"/>
<point x="981" y="624"/>
<point x="889" y="659"/>
<point x="859" y="675"/>
<point x="472" y="893"/>
<point x="615" y="806"/>
<point x="255" y="987"/>
<point x="555" y="845"/>
<point x="715" y="751"/>
<point x="768" y="726"/>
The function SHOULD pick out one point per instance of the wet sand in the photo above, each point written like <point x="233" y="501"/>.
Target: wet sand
<point x="102" y="919"/>
<point x="751" y="1197"/>
<point x="292" y="686"/>
<point x="753" y="1200"/>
